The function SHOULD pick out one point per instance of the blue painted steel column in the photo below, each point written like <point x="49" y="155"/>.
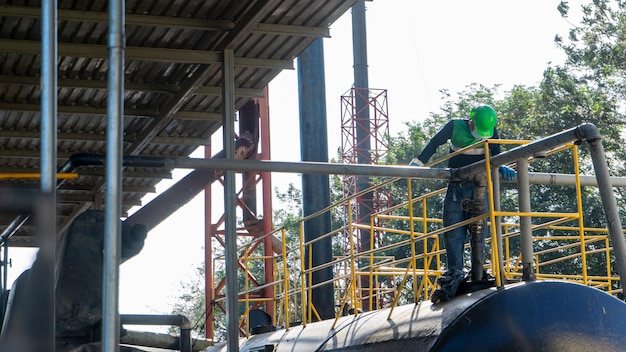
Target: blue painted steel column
<point x="44" y="306"/>
<point x="315" y="188"/>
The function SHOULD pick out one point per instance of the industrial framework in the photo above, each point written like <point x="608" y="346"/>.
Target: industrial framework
<point x="393" y="279"/>
<point x="177" y="93"/>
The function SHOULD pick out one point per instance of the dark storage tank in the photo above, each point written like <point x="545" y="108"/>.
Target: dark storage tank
<point x="547" y="316"/>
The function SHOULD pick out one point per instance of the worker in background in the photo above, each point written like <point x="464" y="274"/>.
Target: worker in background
<point x="461" y="133"/>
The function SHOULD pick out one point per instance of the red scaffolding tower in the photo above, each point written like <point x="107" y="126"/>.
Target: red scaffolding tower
<point x="376" y="121"/>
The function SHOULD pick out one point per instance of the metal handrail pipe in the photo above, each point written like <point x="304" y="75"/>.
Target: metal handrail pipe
<point x="308" y="167"/>
<point x="542" y="178"/>
<point x="587" y="132"/>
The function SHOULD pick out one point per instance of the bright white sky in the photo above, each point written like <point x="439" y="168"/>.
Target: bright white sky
<point x="415" y="48"/>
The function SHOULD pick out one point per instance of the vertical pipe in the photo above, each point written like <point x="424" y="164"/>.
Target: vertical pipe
<point x="500" y="279"/>
<point x="315" y="188"/>
<point x="208" y="255"/>
<point x="47" y="236"/>
<point x="362" y="146"/>
<point x="113" y="193"/>
<point x="185" y="340"/>
<point x="523" y="191"/>
<point x="230" y="201"/>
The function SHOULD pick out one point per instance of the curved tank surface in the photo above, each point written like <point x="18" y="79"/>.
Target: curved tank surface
<point x="546" y="316"/>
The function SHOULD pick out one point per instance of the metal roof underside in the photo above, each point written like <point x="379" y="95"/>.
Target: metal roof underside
<point x="173" y="83"/>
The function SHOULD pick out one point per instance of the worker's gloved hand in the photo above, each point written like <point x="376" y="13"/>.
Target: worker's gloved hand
<point x="507" y="173"/>
<point x="416" y="162"/>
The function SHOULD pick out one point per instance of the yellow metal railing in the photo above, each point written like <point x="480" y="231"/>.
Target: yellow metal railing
<point x="559" y="237"/>
<point x="35" y="176"/>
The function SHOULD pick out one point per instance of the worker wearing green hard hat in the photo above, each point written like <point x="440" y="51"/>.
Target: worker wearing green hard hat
<point x="483" y="119"/>
<point x="461" y="134"/>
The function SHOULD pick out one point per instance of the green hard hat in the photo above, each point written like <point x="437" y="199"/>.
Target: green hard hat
<point x="485" y="119"/>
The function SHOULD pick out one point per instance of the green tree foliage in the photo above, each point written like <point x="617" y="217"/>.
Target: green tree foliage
<point x="289" y="212"/>
<point x="596" y="63"/>
<point x="191" y="303"/>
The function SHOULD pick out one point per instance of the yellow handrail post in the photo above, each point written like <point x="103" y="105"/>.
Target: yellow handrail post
<point x="495" y="250"/>
<point x="353" y="269"/>
<point x="309" y="287"/>
<point x="286" y="277"/>
<point x="247" y="290"/>
<point x="371" y="271"/>
<point x="303" y="274"/>
<point x="412" y="230"/>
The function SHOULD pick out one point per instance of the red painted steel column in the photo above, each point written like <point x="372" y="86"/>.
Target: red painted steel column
<point x="266" y="179"/>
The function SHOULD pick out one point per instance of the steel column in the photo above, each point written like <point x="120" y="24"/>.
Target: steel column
<point x="315" y="188"/>
<point x="46" y="214"/>
<point x="208" y="254"/>
<point x="113" y="192"/>
<point x="230" y="202"/>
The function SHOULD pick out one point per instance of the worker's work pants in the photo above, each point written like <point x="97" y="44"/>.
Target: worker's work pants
<point x="453" y="213"/>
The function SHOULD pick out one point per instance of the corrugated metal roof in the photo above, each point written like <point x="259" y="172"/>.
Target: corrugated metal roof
<point x="173" y="82"/>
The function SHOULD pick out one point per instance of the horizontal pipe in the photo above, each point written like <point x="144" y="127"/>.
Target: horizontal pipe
<point x="368" y="170"/>
<point x="152" y="319"/>
<point x="309" y="167"/>
<point x="343" y="169"/>
<point x="541" y="178"/>
<point x="158" y="340"/>
<point x="183" y="343"/>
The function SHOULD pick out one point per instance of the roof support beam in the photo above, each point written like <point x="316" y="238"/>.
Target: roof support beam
<point x="167" y="21"/>
<point x="98" y="137"/>
<point x="129" y="86"/>
<point x="182" y="56"/>
<point x="84" y="110"/>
